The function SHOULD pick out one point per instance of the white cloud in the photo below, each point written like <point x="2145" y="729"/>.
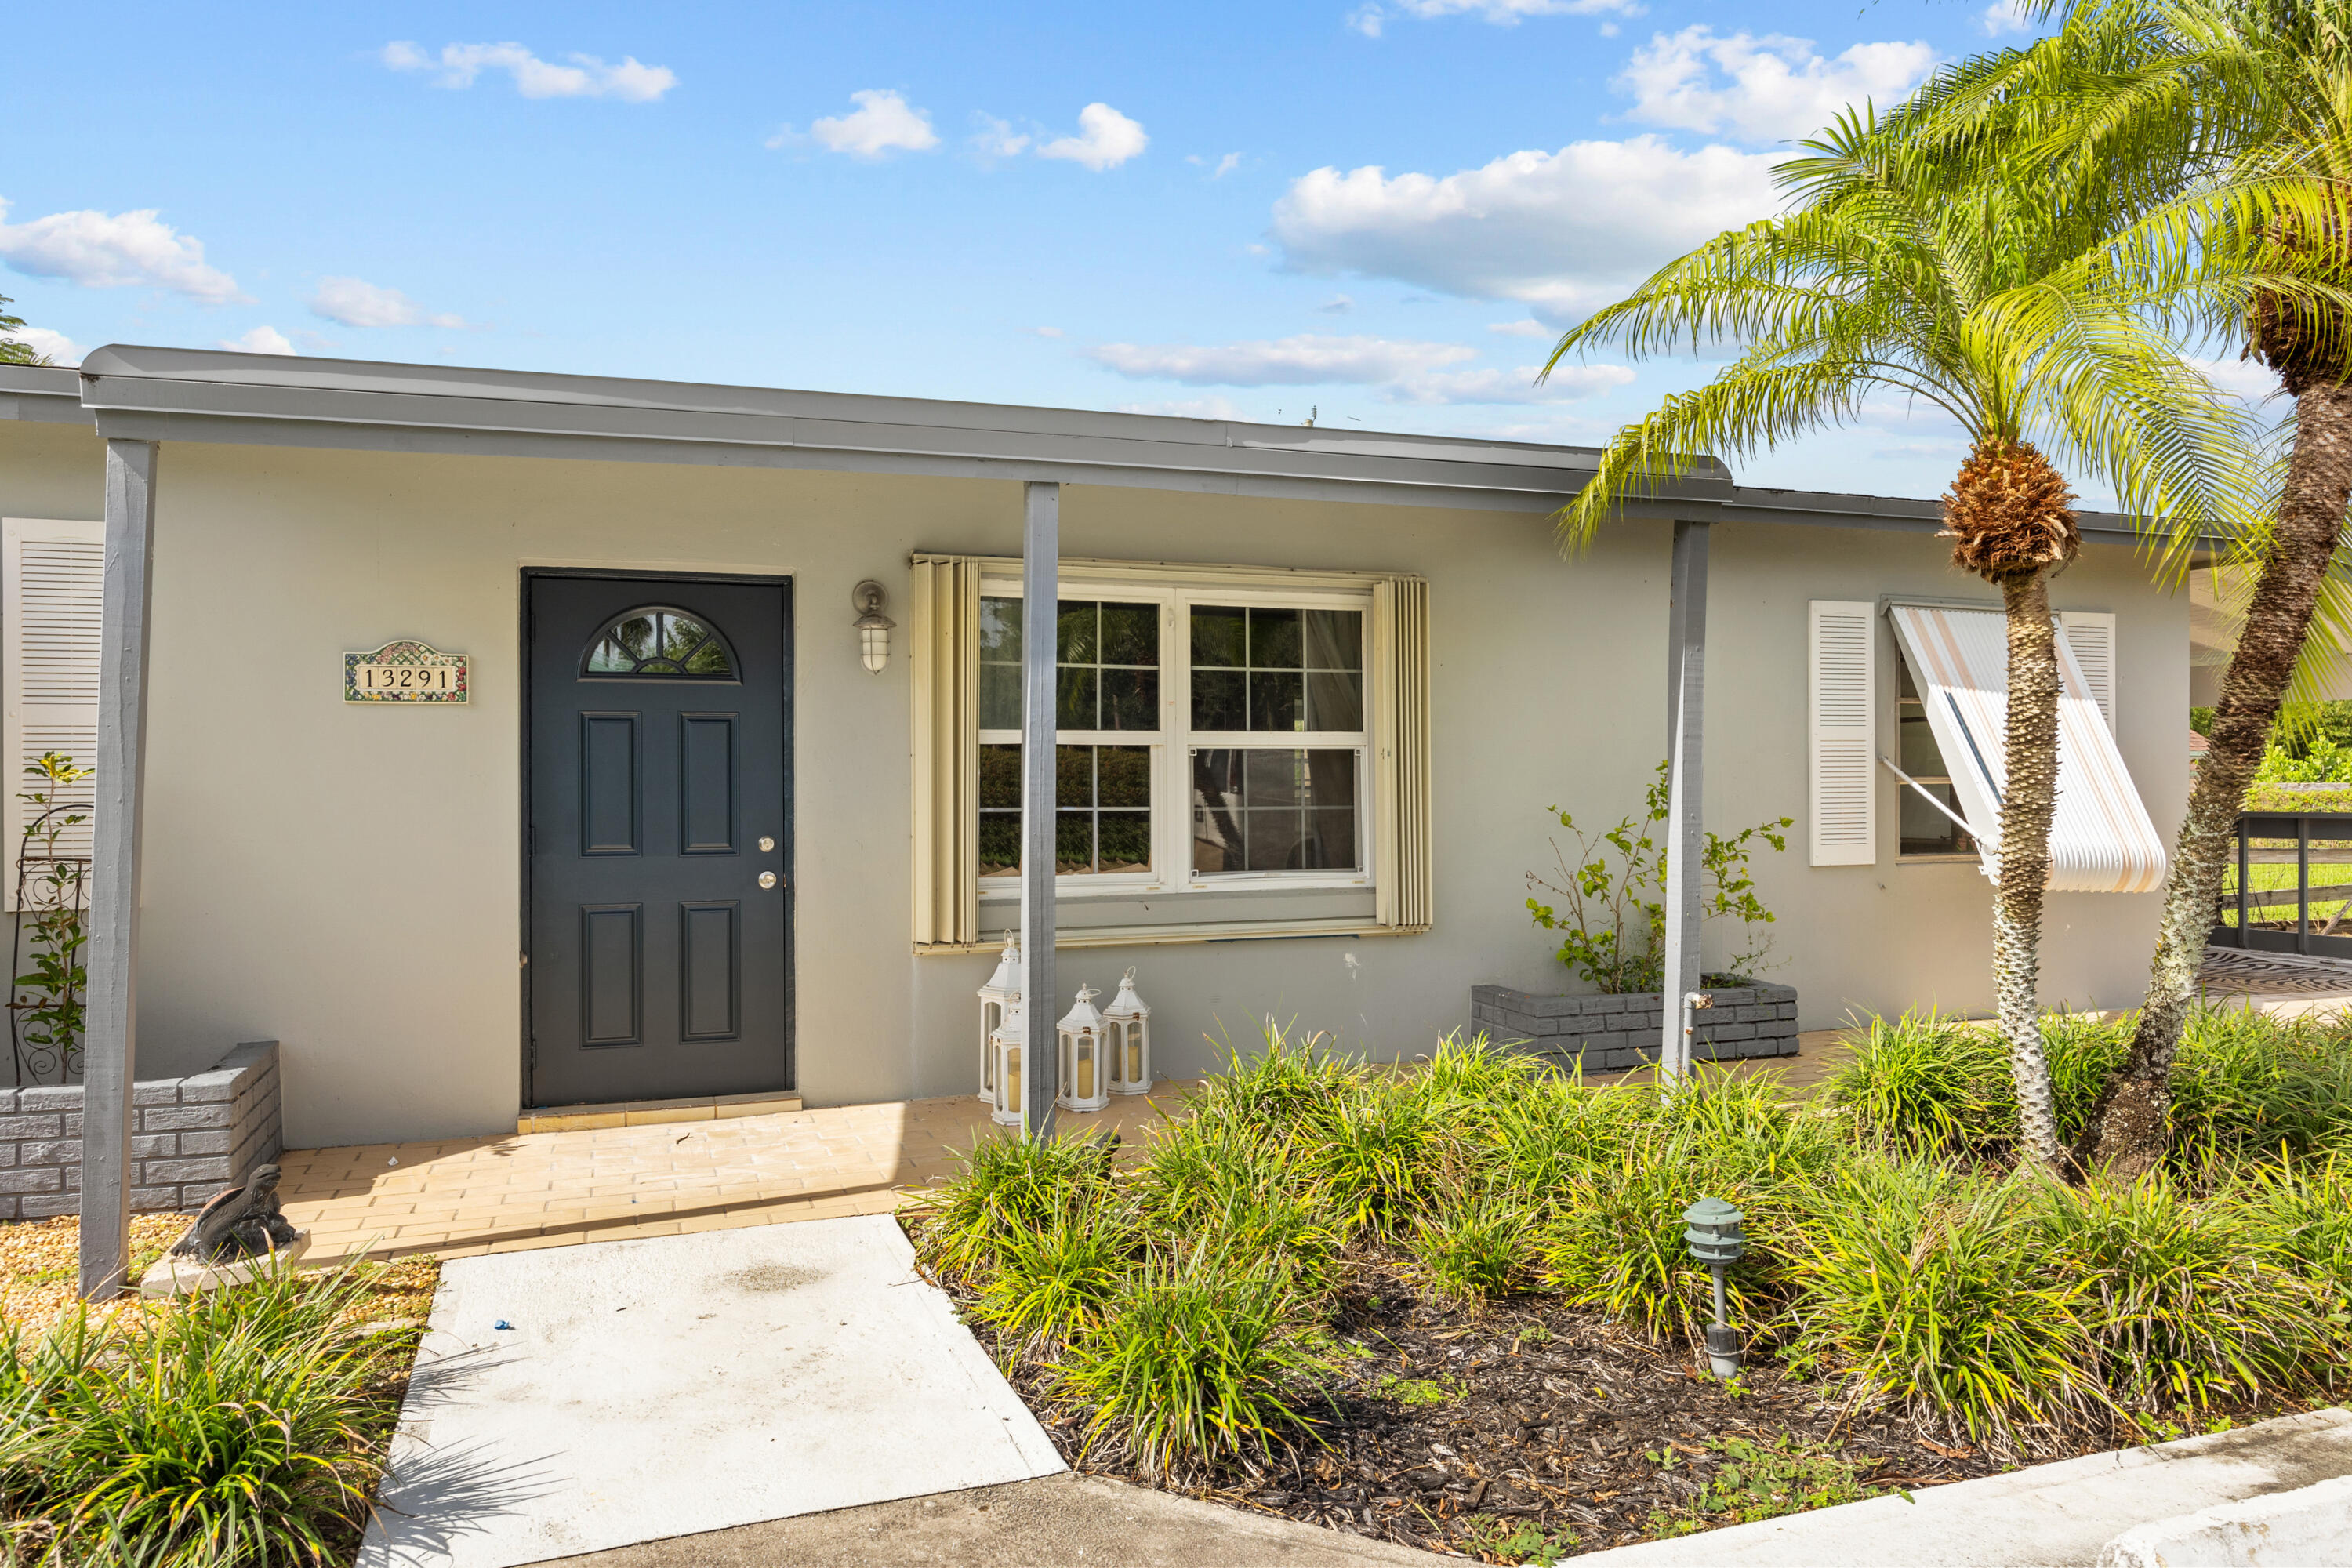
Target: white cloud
<point x="1337" y="305"/>
<point x="55" y="347"/>
<point x="117" y="250"/>
<point x="1225" y="166"/>
<point x="1106" y="138"/>
<point x="1565" y="384"/>
<point x="586" y="76"/>
<point x="1370" y="19"/>
<point x="2245" y="378"/>
<point x="355" y="302"/>
<point x="882" y="122"/>
<point x="2004" y="17"/>
<point x="997" y="139"/>
<point x="261" y="341"/>
<point x="1047" y="331"/>
<point x="1527" y="329"/>
<point x="1562" y="231"/>
<point x="1306" y="360"/>
<point x="1767" y="88"/>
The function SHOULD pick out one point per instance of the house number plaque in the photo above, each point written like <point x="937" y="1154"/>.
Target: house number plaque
<point x="405" y="672"/>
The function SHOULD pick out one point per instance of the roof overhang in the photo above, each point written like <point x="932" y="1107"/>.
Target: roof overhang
<point x="184" y="395"/>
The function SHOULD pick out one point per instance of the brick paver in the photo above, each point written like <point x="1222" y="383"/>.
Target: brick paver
<point x="460" y="1196"/>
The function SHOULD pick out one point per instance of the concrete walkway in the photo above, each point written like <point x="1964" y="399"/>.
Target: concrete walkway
<point x="576" y="1399"/>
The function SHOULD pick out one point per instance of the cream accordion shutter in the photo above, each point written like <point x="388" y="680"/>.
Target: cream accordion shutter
<point x="944" y="647"/>
<point x="51" y="576"/>
<point x="1401" y="754"/>
<point x="2092" y="635"/>
<point x="1842" y="732"/>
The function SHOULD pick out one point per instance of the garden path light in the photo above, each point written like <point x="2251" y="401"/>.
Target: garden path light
<point x="1715" y="1240"/>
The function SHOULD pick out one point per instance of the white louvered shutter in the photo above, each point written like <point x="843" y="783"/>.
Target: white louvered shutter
<point x="2092" y="635"/>
<point x="50" y="577"/>
<point x="1844" y="732"/>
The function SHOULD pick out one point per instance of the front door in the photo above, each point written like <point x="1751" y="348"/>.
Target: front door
<point x="658" y="838"/>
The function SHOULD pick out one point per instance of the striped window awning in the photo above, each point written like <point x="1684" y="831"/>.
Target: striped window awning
<point x="2100" y="840"/>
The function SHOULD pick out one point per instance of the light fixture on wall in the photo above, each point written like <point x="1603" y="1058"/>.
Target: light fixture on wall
<point x="873" y="626"/>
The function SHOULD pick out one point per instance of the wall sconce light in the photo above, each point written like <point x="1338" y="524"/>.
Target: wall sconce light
<point x="873" y="626"/>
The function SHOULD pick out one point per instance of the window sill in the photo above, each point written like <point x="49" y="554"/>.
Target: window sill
<point x="1970" y="858"/>
<point x="1213" y="931"/>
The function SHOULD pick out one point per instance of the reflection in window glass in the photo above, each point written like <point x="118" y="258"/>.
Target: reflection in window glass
<point x="1274" y="810"/>
<point x="1107" y="658"/>
<point x="1925" y="830"/>
<point x="1102" y="819"/>
<point x="1277" y="669"/>
<point x="660" y="643"/>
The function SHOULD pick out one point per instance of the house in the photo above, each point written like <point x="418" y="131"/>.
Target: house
<point x="703" y="824"/>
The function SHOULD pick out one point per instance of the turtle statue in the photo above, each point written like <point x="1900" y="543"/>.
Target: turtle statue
<point x="240" y="1222"/>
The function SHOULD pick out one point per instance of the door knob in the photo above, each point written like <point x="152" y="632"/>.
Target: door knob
<point x="767" y="878"/>
<point x="767" y="846"/>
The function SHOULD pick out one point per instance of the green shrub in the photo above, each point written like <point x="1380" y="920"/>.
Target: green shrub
<point x="2183" y="1302"/>
<point x="1270" y="1093"/>
<point x="240" y="1427"/>
<point x="1925" y="1084"/>
<point x="1193" y="1363"/>
<point x="1921" y="1286"/>
<point x="1010" y="1186"/>
<point x="1376" y="1157"/>
<point x="1475" y="1246"/>
<point x="2247" y="1083"/>
<point x="1052" y="1284"/>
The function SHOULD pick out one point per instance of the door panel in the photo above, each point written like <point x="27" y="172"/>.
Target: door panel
<point x="658" y="966"/>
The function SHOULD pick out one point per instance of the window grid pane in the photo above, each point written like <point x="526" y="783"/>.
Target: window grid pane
<point x="1107" y="658"/>
<point x="1102" y="819"/>
<point x="1276" y="671"/>
<point x="1274" y="810"/>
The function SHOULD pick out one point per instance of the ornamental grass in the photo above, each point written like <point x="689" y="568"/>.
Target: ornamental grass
<point x="1186" y="1297"/>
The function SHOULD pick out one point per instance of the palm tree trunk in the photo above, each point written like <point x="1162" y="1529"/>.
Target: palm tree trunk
<point x="2029" y="800"/>
<point x="2130" y="1128"/>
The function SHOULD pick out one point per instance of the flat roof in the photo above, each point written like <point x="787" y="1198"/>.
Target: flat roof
<point x="154" y="394"/>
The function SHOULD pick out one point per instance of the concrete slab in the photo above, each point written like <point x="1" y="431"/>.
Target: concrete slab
<point x="2282" y="1530"/>
<point x="674" y="1385"/>
<point x="1082" y="1520"/>
<point x="2050" y="1516"/>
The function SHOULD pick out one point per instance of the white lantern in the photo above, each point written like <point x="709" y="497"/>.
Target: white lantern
<point x="1086" y="1085"/>
<point x="1127" y="1035"/>
<point x="1006" y="1047"/>
<point x="1003" y="989"/>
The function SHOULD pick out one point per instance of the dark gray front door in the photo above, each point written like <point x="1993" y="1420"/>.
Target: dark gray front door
<point x="658" y="839"/>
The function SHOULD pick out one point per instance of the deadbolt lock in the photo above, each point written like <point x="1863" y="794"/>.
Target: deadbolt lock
<point x="767" y="846"/>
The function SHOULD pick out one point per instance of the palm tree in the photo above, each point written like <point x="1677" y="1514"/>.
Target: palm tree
<point x="1882" y="278"/>
<point x="2225" y="127"/>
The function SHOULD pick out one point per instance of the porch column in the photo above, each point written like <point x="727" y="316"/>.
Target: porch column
<point x="1041" y="551"/>
<point x="1686" y="836"/>
<point x="110" y="1027"/>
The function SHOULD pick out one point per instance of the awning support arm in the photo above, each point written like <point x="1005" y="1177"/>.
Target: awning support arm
<point x="1928" y="795"/>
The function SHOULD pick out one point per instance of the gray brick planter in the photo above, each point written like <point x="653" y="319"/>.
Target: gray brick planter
<point x="190" y="1137"/>
<point x="1611" y="1033"/>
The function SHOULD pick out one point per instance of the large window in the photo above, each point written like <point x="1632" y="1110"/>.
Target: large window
<point x="1203" y="738"/>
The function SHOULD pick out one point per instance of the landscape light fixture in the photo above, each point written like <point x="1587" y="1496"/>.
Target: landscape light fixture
<point x="873" y="626"/>
<point x="1715" y="1240"/>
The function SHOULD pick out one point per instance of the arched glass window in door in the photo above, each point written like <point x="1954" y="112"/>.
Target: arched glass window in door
<point x="659" y="642"/>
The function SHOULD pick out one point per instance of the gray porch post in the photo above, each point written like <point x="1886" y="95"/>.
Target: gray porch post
<point x="1686" y="837"/>
<point x="1041" y="551"/>
<point x="110" y="1031"/>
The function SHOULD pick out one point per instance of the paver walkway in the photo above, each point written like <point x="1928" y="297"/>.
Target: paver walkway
<point x="463" y="1196"/>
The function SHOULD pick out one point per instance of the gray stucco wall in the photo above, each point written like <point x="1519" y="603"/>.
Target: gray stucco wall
<point x="348" y="879"/>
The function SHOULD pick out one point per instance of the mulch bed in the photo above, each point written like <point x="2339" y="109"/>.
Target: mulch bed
<point x="1527" y="1433"/>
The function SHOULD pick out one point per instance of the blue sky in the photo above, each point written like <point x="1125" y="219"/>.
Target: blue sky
<point x="1381" y="211"/>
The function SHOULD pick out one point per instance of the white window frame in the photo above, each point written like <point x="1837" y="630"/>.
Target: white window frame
<point x="1174" y="741"/>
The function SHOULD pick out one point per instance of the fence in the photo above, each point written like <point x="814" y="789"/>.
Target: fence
<point x="2263" y="907"/>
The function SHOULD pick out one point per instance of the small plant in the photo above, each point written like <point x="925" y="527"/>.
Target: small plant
<point x="1052" y="1284"/>
<point x="1476" y="1247"/>
<point x="1611" y="903"/>
<point x="1010" y="1187"/>
<point x="47" y="1004"/>
<point x="1756" y="1481"/>
<point x="1417" y="1391"/>
<point x="1517" y="1541"/>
